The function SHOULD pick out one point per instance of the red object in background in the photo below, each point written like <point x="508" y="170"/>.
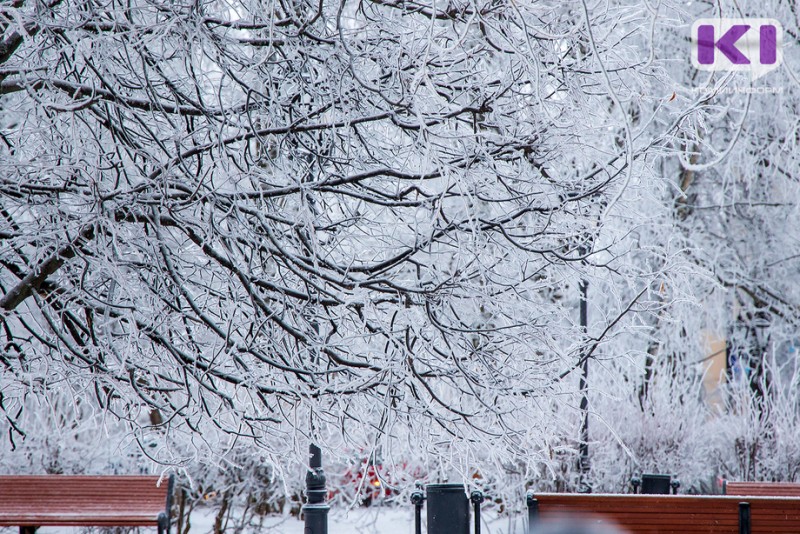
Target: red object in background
<point x="372" y="481"/>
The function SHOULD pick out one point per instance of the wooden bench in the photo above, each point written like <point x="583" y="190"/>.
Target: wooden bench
<point x="671" y="514"/>
<point x="81" y="501"/>
<point x="771" y="489"/>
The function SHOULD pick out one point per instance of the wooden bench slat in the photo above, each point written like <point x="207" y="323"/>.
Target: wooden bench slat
<point x="682" y="514"/>
<point x="78" y="519"/>
<point x="777" y="489"/>
<point x="66" y="500"/>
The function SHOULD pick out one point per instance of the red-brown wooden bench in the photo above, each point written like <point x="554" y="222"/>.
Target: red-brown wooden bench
<point x="81" y="501"/>
<point x="672" y="514"/>
<point x="770" y="489"/>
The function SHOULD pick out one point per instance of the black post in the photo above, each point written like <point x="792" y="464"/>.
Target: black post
<point x="744" y="518"/>
<point x="477" y="498"/>
<point x="448" y="509"/>
<point x="315" y="511"/>
<point x="417" y="498"/>
<point x="533" y="510"/>
<point x="583" y="461"/>
<point x="167" y="519"/>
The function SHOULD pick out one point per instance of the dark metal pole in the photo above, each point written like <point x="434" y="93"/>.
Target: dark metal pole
<point x="583" y="461"/>
<point x="744" y="518"/>
<point x="533" y="510"/>
<point x="315" y="511"/>
<point x="417" y="498"/>
<point x="168" y="512"/>
<point x="477" y="498"/>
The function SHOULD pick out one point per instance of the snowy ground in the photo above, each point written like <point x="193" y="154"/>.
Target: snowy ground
<point x="375" y="520"/>
<point x="360" y="521"/>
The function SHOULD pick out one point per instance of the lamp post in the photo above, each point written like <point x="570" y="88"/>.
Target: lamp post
<point x="315" y="511"/>
<point x="583" y="447"/>
<point x="759" y="324"/>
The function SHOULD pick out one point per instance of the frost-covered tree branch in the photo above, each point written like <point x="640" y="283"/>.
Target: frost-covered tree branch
<point x="285" y="218"/>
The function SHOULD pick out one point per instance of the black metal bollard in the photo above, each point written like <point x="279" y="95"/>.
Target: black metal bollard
<point x="315" y="511"/>
<point x="417" y="498"/>
<point x="533" y="510"/>
<point x="476" y="497"/>
<point x="744" y="518"/>
<point x="448" y="509"/>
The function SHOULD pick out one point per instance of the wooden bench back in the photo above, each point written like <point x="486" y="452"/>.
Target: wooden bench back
<point x="775" y="489"/>
<point x="675" y="514"/>
<point x="63" y="500"/>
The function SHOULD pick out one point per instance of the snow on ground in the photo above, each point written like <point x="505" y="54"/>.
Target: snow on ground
<point x="375" y="520"/>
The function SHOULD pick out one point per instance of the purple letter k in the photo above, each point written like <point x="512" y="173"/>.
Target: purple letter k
<point x="726" y="44"/>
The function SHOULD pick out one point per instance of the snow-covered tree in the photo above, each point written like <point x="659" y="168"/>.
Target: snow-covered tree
<point x="362" y="223"/>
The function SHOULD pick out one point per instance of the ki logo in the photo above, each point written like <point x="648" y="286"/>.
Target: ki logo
<point x="752" y="45"/>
